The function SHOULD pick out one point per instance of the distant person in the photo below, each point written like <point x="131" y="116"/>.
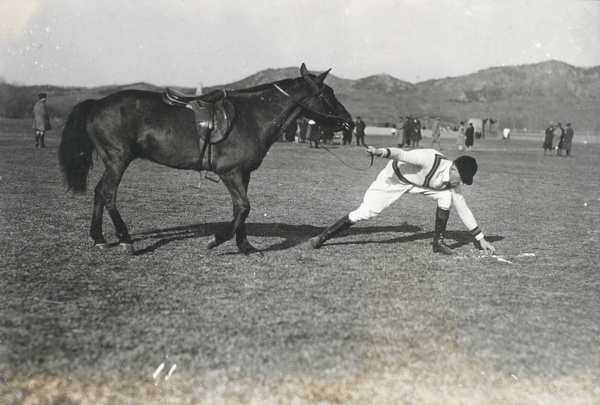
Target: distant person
<point x="568" y="140"/>
<point x="347" y="134"/>
<point x="559" y="133"/>
<point x="41" y="120"/>
<point x="460" y="136"/>
<point x="400" y="133"/>
<point x="435" y="134"/>
<point x="302" y="129"/>
<point x="360" y="131"/>
<point x="408" y="132"/>
<point x="313" y="134"/>
<point x="548" y="138"/>
<point x="416" y="135"/>
<point x="419" y="171"/>
<point x="506" y="133"/>
<point x="470" y="136"/>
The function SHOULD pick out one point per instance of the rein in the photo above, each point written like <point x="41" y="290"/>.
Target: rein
<point x="346" y="164"/>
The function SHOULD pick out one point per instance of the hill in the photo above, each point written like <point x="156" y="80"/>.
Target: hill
<point x="527" y="96"/>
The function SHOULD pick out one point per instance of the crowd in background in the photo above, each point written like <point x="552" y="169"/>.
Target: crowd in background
<point x="557" y="140"/>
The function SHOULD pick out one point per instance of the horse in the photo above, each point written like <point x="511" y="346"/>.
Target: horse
<point x="132" y="124"/>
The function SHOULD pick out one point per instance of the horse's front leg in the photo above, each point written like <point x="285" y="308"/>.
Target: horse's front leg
<point x="237" y="184"/>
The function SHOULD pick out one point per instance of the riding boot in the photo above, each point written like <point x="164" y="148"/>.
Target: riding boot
<point x="441" y="220"/>
<point x="37" y="139"/>
<point x="341" y="225"/>
<point x="42" y="145"/>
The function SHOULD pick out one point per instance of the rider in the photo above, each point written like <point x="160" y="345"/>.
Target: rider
<point x="419" y="171"/>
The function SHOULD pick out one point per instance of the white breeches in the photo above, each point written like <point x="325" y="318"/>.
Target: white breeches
<point x="386" y="189"/>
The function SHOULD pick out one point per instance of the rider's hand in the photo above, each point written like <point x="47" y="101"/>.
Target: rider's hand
<point x="487" y="247"/>
<point x="372" y="151"/>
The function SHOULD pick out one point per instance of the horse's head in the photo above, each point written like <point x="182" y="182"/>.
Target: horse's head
<point x="322" y="105"/>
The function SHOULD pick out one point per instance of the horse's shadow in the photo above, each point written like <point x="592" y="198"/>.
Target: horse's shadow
<point x="294" y="235"/>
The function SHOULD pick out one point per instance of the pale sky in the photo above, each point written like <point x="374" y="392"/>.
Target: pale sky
<point x="186" y="42"/>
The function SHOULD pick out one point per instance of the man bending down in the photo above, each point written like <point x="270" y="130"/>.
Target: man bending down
<point x="418" y="171"/>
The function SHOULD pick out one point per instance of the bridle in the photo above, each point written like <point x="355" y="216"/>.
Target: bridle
<point x="319" y="94"/>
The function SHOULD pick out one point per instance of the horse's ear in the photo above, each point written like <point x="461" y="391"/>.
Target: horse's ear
<point x="303" y="70"/>
<point x="321" y="78"/>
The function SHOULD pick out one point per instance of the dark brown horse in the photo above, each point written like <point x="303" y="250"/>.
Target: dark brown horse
<point x="138" y="124"/>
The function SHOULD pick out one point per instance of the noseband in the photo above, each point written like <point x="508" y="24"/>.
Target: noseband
<point x="318" y="94"/>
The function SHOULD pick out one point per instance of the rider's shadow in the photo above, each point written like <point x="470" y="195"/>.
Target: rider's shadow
<point x="454" y="239"/>
<point x="294" y="235"/>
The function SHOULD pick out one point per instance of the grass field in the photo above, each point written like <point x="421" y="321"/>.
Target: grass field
<point x="373" y="317"/>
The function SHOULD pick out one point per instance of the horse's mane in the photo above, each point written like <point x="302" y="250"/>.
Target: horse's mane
<point x="265" y="86"/>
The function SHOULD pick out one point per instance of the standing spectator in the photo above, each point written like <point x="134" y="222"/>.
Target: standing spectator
<point x="460" y="137"/>
<point x="41" y="120"/>
<point x="470" y="136"/>
<point x="435" y="133"/>
<point x="548" y="137"/>
<point x="567" y="140"/>
<point x="302" y="128"/>
<point x="313" y="134"/>
<point x="559" y="132"/>
<point x="407" y="133"/>
<point x="347" y="134"/>
<point x="360" y="131"/>
<point x="400" y="133"/>
<point x="416" y="133"/>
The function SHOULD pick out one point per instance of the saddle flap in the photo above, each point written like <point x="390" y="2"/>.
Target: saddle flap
<point x="213" y="119"/>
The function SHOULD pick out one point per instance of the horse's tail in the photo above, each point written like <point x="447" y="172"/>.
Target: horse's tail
<point x="75" y="152"/>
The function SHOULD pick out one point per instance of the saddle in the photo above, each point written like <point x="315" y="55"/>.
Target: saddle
<point x="213" y="112"/>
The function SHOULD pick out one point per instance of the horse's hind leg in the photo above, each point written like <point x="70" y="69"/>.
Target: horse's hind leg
<point x="237" y="184"/>
<point x="96" y="227"/>
<point x="106" y="195"/>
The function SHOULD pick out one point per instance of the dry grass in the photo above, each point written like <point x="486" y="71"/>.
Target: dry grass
<point x="371" y="318"/>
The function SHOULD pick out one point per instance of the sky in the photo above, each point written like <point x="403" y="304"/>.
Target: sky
<point x="212" y="42"/>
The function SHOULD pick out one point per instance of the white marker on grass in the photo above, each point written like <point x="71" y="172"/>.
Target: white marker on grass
<point x="171" y="371"/>
<point x="158" y="370"/>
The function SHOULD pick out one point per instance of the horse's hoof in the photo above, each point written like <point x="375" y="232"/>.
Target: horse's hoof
<point x="126" y="248"/>
<point x="101" y="246"/>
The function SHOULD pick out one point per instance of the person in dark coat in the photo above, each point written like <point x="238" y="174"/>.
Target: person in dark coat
<point x="302" y="129"/>
<point x="41" y="120"/>
<point x="313" y="134"/>
<point x="347" y="134"/>
<point x="360" y="131"/>
<point x="470" y="136"/>
<point x="548" y="137"/>
<point x="567" y="140"/>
